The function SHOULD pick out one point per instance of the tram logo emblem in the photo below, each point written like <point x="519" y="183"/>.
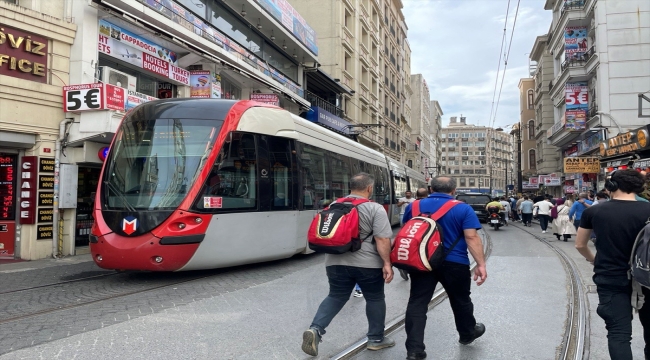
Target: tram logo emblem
<point x="129" y="225"/>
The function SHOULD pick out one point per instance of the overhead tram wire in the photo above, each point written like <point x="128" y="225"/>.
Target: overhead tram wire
<point x="512" y="33"/>
<point x="496" y="80"/>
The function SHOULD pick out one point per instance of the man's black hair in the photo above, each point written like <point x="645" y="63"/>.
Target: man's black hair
<point x="629" y="181"/>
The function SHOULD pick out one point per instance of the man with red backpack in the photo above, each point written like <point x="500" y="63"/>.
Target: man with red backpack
<point x="369" y="266"/>
<point x="459" y="225"/>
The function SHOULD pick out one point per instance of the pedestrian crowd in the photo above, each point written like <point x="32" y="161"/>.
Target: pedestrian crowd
<point x="611" y="219"/>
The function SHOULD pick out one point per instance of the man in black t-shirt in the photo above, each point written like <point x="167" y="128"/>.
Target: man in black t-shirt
<point x="617" y="223"/>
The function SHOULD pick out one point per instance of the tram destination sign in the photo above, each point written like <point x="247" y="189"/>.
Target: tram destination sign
<point x="44" y="232"/>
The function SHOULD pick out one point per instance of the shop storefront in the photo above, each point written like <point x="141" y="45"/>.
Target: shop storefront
<point x="34" y="64"/>
<point x="625" y="150"/>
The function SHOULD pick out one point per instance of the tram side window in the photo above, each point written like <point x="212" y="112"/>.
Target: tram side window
<point x="382" y="189"/>
<point x="341" y="174"/>
<point x="231" y="184"/>
<point x="400" y="188"/>
<point x="315" y="173"/>
<point x="281" y="172"/>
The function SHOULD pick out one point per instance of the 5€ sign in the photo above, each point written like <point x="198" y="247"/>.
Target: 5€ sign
<point x="83" y="97"/>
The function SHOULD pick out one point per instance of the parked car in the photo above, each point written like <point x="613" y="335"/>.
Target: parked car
<point x="478" y="202"/>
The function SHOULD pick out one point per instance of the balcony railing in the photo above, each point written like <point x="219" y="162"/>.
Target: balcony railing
<point x="573" y="5"/>
<point x="315" y="100"/>
<point x="579" y="60"/>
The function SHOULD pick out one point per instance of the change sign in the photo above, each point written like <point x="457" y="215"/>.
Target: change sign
<point x="581" y="165"/>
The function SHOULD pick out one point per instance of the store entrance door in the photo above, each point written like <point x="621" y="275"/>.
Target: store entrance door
<point x="86" y="189"/>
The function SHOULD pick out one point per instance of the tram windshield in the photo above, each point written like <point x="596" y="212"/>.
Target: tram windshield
<point x="153" y="163"/>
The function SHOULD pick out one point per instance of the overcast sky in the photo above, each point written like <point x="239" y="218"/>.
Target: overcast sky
<point x="455" y="45"/>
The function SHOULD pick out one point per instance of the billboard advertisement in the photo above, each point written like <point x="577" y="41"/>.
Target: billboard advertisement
<point x="575" y="41"/>
<point x="283" y="12"/>
<point x="133" y="49"/>
<point x="576" y="98"/>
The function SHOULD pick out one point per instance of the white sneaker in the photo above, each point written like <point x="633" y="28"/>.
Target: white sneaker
<point x="357" y="293"/>
<point x="543" y="231"/>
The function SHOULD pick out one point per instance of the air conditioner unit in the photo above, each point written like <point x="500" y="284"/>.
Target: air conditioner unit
<point x="117" y="78"/>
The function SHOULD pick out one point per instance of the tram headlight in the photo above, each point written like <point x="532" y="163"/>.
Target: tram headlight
<point x="158" y="259"/>
<point x="99" y="258"/>
<point x="198" y="220"/>
<point x="181" y="226"/>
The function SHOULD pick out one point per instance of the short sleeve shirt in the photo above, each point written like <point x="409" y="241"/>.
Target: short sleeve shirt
<point x="460" y="217"/>
<point x="407" y="202"/>
<point x="372" y="219"/>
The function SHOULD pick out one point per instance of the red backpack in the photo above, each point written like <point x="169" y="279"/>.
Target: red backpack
<point x="335" y="230"/>
<point x="419" y="245"/>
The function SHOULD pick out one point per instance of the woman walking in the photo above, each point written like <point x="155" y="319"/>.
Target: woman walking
<point x="562" y="225"/>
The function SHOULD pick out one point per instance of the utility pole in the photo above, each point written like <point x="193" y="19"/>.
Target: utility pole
<point x="519" y="177"/>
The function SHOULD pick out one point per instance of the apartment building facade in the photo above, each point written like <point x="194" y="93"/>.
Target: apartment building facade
<point x="528" y="128"/>
<point x="362" y="43"/>
<point x="420" y="154"/>
<point x="599" y="50"/>
<point x="436" y="131"/>
<point x="478" y="157"/>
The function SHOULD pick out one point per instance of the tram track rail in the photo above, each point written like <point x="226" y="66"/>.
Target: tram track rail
<point x="397" y="324"/>
<point x="575" y="342"/>
<point x="38" y="287"/>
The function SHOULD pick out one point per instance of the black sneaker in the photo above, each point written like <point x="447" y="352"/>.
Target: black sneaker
<point x="479" y="330"/>
<point x="310" y="341"/>
<point x="416" y="356"/>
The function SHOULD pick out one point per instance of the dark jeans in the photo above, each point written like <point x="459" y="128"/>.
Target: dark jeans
<point x="576" y="223"/>
<point x="543" y="221"/>
<point x="615" y="308"/>
<point x="456" y="279"/>
<point x="342" y="280"/>
<point x="527" y="218"/>
<point x="515" y="216"/>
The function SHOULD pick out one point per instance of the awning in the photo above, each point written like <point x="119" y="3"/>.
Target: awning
<point x="17" y="140"/>
<point x="323" y="79"/>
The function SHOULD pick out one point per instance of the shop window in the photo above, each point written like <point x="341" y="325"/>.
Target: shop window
<point x="229" y="90"/>
<point x="234" y="175"/>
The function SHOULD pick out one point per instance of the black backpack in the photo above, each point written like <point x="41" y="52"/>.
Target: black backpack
<point x="639" y="271"/>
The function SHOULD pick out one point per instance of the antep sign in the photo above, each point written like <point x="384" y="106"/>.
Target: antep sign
<point x="581" y="165"/>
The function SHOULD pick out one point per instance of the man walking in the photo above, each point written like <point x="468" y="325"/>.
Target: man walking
<point x="506" y="206"/>
<point x="460" y="223"/>
<point x="578" y="208"/>
<point x="402" y="203"/>
<point x="420" y="194"/>
<point x="544" y="213"/>
<point x="369" y="267"/>
<point x="617" y="223"/>
<point x="526" y="209"/>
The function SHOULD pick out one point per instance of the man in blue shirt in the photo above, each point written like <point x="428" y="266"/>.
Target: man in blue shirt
<point x="454" y="275"/>
<point x="578" y="207"/>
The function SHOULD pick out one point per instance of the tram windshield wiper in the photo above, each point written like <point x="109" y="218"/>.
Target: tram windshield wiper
<point x="120" y="196"/>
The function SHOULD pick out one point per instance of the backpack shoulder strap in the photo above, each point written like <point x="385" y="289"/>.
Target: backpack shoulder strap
<point x="353" y="201"/>
<point x="444" y="209"/>
<point x="415" y="208"/>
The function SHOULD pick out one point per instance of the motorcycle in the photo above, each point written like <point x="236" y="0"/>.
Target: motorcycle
<point x="494" y="218"/>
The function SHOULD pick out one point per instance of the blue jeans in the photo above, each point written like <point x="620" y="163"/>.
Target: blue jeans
<point x="342" y="279"/>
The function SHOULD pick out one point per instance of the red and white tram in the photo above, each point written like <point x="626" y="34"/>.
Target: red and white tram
<point x="205" y="183"/>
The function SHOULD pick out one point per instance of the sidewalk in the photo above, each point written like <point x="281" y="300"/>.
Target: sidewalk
<point x="598" y="333"/>
<point x="18" y="266"/>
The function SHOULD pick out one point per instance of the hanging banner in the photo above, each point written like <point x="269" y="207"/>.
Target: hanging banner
<point x="576" y="98"/>
<point x="282" y="11"/>
<point x="133" y="49"/>
<point x="575" y="41"/>
<point x="528" y="186"/>
<point x="581" y="165"/>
